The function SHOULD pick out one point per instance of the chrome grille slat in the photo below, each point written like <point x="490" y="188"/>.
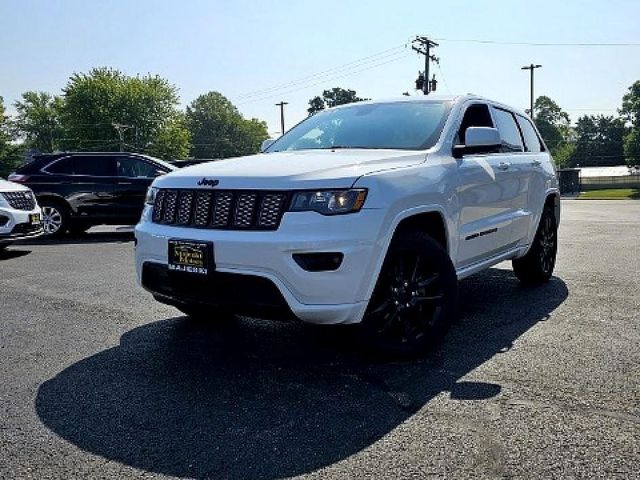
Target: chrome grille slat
<point x="22" y="200"/>
<point x="219" y="209"/>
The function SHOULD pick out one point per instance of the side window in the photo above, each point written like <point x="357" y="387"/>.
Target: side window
<point x="66" y="166"/>
<point x="477" y="115"/>
<point x="531" y="140"/>
<point x="134" y="167"/>
<point x="509" y="131"/>
<point x="95" y="166"/>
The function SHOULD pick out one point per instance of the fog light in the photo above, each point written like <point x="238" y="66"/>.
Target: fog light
<point x="3" y="220"/>
<point x="319" y="262"/>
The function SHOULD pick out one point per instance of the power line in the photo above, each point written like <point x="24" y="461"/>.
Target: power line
<point x="538" y="44"/>
<point x="304" y="87"/>
<point x="353" y="64"/>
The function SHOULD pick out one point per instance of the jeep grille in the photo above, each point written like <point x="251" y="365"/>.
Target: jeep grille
<point x="220" y="209"/>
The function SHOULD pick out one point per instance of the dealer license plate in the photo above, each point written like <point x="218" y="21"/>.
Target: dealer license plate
<point x="190" y="256"/>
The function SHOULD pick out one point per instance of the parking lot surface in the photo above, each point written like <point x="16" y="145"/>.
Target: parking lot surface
<point x="99" y="381"/>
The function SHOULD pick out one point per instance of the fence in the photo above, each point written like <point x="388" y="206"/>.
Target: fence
<point x="597" y="183"/>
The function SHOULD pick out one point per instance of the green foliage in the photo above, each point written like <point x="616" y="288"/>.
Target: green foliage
<point x="599" y="141"/>
<point x="562" y="154"/>
<point x="218" y="130"/>
<point x="630" y="110"/>
<point x="632" y="147"/>
<point x="173" y="141"/>
<point x="10" y="154"/>
<point x="332" y="98"/>
<point x="38" y="121"/>
<point x="553" y="124"/>
<point x="107" y="110"/>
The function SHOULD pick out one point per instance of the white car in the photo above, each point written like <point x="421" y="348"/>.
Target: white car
<point x="20" y="215"/>
<point x="365" y="213"/>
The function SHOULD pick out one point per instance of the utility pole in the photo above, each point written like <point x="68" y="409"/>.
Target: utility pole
<point x="120" y="128"/>
<point x="281" y="105"/>
<point x="531" y="67"/>
<point x="423" y="46"/>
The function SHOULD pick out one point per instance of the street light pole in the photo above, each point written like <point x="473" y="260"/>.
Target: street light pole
<point x="531" y="67"/>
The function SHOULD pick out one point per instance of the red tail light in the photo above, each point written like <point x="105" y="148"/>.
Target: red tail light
<point x="15" y="177"/>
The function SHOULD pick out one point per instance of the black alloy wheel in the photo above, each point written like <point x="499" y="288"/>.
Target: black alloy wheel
<point x="537" y="265"/>
<point x="414" y="300"/>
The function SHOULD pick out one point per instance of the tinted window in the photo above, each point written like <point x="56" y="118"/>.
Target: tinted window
<point x="95" y="166"/>
<point x="531" y="140"/>
<point x="133" y="167"/>
<point x="66" y="166"/>
<point x="396" y="125"/>
<point x="509" y="132"/>
<point x="475" y="116"/>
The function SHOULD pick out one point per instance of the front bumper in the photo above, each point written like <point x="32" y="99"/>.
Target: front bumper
<point x="16" y="224"/>
<point x="338" y="296"/>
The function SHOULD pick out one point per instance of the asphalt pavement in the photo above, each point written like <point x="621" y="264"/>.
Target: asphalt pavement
<point x="99" y="381"/>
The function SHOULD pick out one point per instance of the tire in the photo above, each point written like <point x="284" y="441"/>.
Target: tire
<point x="414" y="300"/>
<point x="55" y="218"/>
<point x="536" y="267"/>
<point x="205" y="314"/>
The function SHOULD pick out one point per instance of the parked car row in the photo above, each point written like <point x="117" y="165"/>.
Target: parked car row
<point x="79" y="190"/>
<point x="20" y="215"/>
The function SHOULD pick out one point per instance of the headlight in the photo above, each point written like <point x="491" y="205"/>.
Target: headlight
<point x="150" y="199"/>
<point x="329" y="202"/>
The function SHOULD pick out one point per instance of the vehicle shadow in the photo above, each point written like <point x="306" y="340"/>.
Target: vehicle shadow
<point x="12" y="252"/>
<point x="263" y="400"/>
<point x="83" y="238"/>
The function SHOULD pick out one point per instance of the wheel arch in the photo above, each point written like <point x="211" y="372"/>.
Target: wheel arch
<point x="54" y="197"/>
<point x="552" y="200"/>
<point x="429" y="218"/>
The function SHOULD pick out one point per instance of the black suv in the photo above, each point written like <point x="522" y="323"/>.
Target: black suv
<point x="78" y="190"/>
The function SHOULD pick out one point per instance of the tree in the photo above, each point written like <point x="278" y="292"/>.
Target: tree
<point x="554" y="126"/>
<point x="332" y="98"/>
<point x="173" y="141"/>
<point x="599" y="141"/>
<point x="218" y="130"/>
<point x="632" y="147"/>
<point x="630" y="111"/>
<point x="38" y="121"/>
<point x="10" y="153"/>
<point x="107" y="110"/>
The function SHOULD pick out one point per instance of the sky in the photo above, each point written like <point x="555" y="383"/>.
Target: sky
<point x="244" y="49"/>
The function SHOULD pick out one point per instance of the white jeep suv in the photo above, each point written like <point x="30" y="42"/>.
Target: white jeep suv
<point x="20" y="215"/>
<point x="365" y="213"/>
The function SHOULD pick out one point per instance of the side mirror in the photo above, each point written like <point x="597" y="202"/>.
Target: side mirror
<point x="266" y="144"/>
<point x="159" y="173"/>
<point x="478" y="140"/>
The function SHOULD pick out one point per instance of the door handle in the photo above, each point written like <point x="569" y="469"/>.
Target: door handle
<point x="504" y="165"/>
<point x="125" y="183"/>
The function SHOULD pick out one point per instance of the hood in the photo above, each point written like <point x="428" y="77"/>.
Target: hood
<point x="6" y="186"/>
<point x="292" y="170"/>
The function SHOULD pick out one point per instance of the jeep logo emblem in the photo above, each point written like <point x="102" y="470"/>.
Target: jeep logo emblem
<point x="205" y="182"/>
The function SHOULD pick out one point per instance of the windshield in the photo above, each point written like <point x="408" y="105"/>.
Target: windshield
<point x="396" y="125"/>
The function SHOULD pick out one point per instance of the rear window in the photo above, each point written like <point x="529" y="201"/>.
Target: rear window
<point x="509" y="132"/>
<point x="531" y="139"/>
<point x="93" y="166"/>
<point x="65" y="166"/>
